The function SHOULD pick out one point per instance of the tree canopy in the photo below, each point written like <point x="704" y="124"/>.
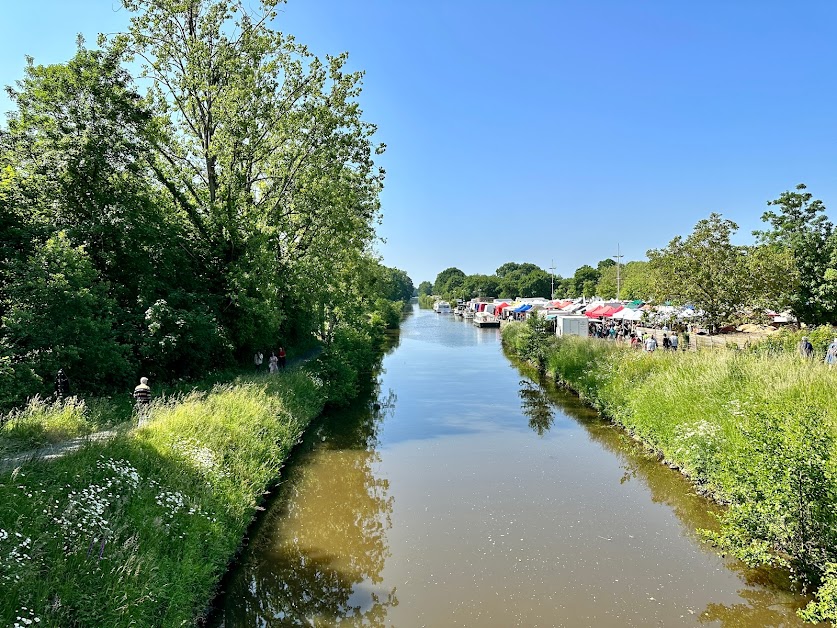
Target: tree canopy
<point x="232" y="206"/>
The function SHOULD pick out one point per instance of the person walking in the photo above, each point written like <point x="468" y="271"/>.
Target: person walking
<point x="273" y="363"/>
<point x="62" y="385"/>
<point x="673" y="341"/>
<point x="831" y="354"/>
<point x="258" y="360"/>
<point x="282" y="358"/>
<point x="806" y="349"/>
<point x="651" y="344"/>
<point x="142" y="400"/>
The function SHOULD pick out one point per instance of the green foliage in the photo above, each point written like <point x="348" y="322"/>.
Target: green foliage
<point x="824" y="608"/>
<point x="41" y="422"/>
<point x="800" y="227"/>
<point x="716" y="276"/>
<point x="635" y="282"/>
<point x="232" y="208"/>
<point x="585" y="280"/>
<point x="58" y="314"/>
<point x="425" y="288"/>
<point x="139" y="530"/>
<point x="782" y="500"/>
<point x="426" y="301"/>
<point x="787" y="340"/>
<point x="449" y="281"/>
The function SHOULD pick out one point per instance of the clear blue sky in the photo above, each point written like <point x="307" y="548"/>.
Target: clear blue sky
<point x="539" y="130"/>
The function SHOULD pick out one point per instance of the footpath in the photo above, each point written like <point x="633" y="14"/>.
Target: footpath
<point x="57" y="450"/>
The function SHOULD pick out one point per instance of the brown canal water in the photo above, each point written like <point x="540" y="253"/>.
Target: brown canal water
<point x="466" y="493"/>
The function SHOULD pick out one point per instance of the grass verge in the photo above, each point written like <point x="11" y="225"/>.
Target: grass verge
<point x="138" y="530"/>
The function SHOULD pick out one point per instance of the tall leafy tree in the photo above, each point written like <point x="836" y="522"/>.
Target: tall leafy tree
<point x="449" y="281"/>
<point x="262" y="147"/>
<point x="585" y="279"/>
<point x="717" y="276"/>
<point x="799" y="224"/>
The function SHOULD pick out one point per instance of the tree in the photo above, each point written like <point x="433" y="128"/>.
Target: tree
<point x="713" y="274"/>
<point x="261" y="146"/>
<point x="58" y="314"/>
<point x="481" y="286"/>
<point x="800" y="226"/>
<point x="396" y="285"/>
<point x="425" y="287"/>
<point x="585" y="279"/>
<point x="76" y="148"/>
<point x="448" y="281"/>
<point x="635" y="279"/>
<point x="605" y="264"/>
<point x="510" y="267"/>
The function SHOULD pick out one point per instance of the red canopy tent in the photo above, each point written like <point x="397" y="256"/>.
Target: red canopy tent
<point x="596" y="312"/>
<point x="611" y="310"/>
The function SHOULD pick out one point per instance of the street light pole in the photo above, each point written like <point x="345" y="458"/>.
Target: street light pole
<point x="618" y="257"/>
<point x="552" y="282"/>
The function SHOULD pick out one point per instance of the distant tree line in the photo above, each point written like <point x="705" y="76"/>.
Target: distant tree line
<point x="513" y="280"/>
<point x="231" y="206"/>
<point x="791" y="265"/>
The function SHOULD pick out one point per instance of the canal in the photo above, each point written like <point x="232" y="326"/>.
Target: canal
<point x="466" y="493"/>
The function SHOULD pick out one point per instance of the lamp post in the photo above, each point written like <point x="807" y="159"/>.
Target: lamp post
<point x="618" y="257"/>
<point x="552" y="280"/>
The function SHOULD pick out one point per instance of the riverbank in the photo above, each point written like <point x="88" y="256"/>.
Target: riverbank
<point x="754" y="431"/>
<point x="140" y="529"/>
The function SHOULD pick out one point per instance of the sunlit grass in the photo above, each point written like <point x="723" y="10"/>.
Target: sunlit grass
<point x="138" y="530"/>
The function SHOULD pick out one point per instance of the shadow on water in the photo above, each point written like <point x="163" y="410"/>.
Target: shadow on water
<point x="318" y="559"/>
<point x="769" y="597"/>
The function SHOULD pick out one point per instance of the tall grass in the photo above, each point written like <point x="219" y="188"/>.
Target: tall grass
<point x="754" y="429"/>
<point x="138" y="531"/>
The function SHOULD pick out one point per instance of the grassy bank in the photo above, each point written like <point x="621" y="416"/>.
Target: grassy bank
<point x="755" y="430"/>
<point x="139" y="530"/>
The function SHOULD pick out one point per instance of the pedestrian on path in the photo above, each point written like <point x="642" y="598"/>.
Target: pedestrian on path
<point x="258" y="360"/>
<point x="142" y="400"/>
<point x="62" y="385"/>
<point x="651" y="344"/>
<point x="831" y="354"/>
<point x="806" y="349"/>
<point x="273" y="362"/>
<point x="282" y="358"/>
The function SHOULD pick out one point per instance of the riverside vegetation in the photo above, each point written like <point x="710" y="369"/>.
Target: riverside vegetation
<point x="140" y="529"/>
<point x="754" y="429"/>
<point x="228" y="209"/>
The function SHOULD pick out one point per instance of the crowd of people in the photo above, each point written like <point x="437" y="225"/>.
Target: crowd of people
<point x="806" y="350"/>
<point x="626" y="332"/>
<point x="275" y="362"/>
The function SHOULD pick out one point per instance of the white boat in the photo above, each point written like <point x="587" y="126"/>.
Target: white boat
<point x="441" y="307"/>
<point x="484" y="319"/>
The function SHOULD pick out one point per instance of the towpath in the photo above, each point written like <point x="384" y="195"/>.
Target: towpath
<point x="57" y="450"/>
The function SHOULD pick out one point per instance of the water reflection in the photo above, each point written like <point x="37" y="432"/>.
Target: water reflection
<point x="318" y="556"/>
<point x="535" y="404"/>
<point x="456" y="513"/>
<point x="767" y="600"/>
